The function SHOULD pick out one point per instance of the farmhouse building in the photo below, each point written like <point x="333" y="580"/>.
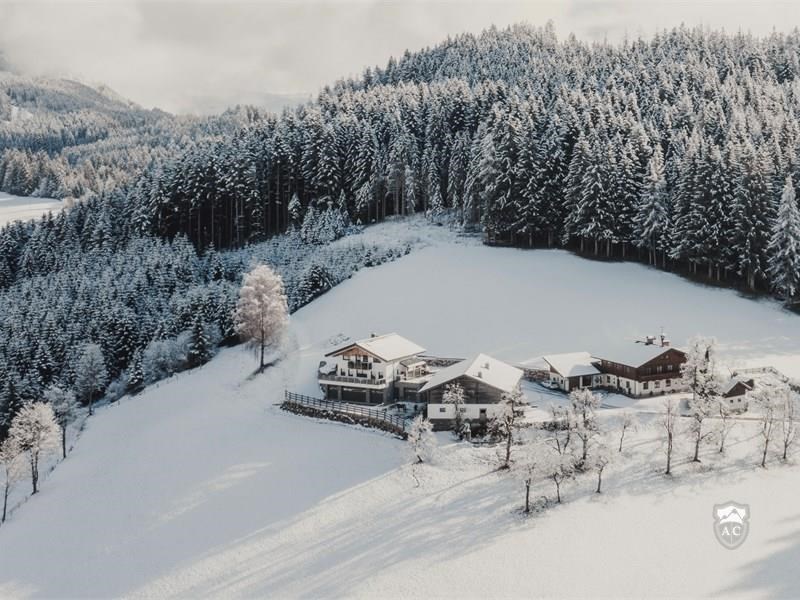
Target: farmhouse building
<point x="642" y="369"/>
<point x="484" y="381"/>
<point x="735" y="392"/>
<point x="572" y="371"/>
<point x="375" y="370"/>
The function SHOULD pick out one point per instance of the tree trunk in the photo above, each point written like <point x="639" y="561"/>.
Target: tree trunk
<point x="64" y="441"/>
<point x="558" y="491"/>
<point x="669" y="456"/>
<point x="34" y="475"/>
<point x="528" y="496"/>
<point x="697" y="440"/>
<point x="599" y="480"/>
<point x="6" y="490"/>
<point x="764" y="455"/>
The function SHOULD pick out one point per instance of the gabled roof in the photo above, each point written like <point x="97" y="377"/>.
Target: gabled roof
<point x="483" y="368"/>
<point x="635" y="355"/>
<point x="388" y="347"/>
<point x="733" y="382"/>
<point x="572" y="364"/>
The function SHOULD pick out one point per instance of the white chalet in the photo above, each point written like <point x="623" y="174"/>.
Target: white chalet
<point x="484" y="381"/>
<point x="375" y="370"/>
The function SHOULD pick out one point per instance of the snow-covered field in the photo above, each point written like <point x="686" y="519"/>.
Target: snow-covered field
<point x="23" y="208"/>
<point x="202" y="486"/>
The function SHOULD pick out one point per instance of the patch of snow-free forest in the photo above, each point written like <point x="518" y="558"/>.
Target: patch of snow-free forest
<point x="24" y="208"/>
<point x="202" y="486"/>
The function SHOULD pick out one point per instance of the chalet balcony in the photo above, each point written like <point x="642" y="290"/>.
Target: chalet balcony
<point x="358" y="380"/>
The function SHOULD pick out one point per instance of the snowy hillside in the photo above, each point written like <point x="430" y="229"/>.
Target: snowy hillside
<point x="23" y="208"/>
<point x="202" y="486"/>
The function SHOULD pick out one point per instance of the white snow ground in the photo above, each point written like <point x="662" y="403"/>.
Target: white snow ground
<point x="23" y="208"/>
<point x="201" y="486"/>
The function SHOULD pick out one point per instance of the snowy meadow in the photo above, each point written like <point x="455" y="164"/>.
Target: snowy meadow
<point x="201" y="485"/>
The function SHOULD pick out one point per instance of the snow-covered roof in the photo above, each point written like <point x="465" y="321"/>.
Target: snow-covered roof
<point x="635" y="355"/>
<point x="537" y="363"/>
<point x="733" y="382"/>
<point x="572" y="364"/>
<point x="389" y="346"/>
<point x="492" y="372"/>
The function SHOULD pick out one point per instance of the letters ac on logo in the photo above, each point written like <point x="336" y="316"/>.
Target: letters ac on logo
<point x="731" y="524"/>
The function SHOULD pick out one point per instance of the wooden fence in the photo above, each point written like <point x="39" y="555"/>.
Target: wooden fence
<point x="794" y="384"/>
<point x="378" y="418"/>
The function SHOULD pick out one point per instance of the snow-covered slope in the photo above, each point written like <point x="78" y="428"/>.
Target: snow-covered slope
<point x="23" y="208"/>
<point x="202" y="486"/>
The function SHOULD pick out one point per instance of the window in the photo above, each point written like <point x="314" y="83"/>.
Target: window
<point x="442" y="409"/>
<point x="658" y="384"/>
<point x="669" y="367"/>
<point x="463" y="409"/>
<point x="669" y="382"/>
<point x="646" y="385"/>
<point x="659" y="369"/>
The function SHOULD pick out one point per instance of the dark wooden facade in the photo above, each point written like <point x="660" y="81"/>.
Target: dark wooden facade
<point x="663" y="366"/>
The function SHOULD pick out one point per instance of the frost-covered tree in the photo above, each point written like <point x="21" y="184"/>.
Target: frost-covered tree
<point x="91" y="375"/>
<point x="789" y="412"/>
<point x="454" y="394"/>
<point x="526" y="466"/>
<point x="602" y="456"/>
<point x="136" y="375"/>
<point x="11" y="463"/>
<point x="583" y="419"/>
<point x="262" y="313"/>
<point x="34" y="432"/>
<point x="512" y="407"/>
<point x="627" y="422"/>
<point x="200" y="346"/>
<point x="558" y="465"/>
<point x="725" y="423"/>
<point x="699" y="373"/>
<point x="652" y="217"/>
<point x="421" y="440"/>
<point x="669" y="420"/>
<point x="784" y="246"/>
<point x="65" y="408"/>
<point x="768" y="398"/>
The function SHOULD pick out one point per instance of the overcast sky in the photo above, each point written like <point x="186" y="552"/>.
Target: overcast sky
<point x="200" y="55"/>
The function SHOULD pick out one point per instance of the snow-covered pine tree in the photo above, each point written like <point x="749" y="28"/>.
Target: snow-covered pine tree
<point x="91" y="375"/>
<point x="200" y="347"/>
<point x="652" y="216"/>
<point x="784" y="246"/>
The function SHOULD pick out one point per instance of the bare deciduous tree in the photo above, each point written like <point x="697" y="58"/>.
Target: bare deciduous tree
<point x="12" y="470"/>
<point x="628" y="422"/>
<point x="668" y="422"/>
